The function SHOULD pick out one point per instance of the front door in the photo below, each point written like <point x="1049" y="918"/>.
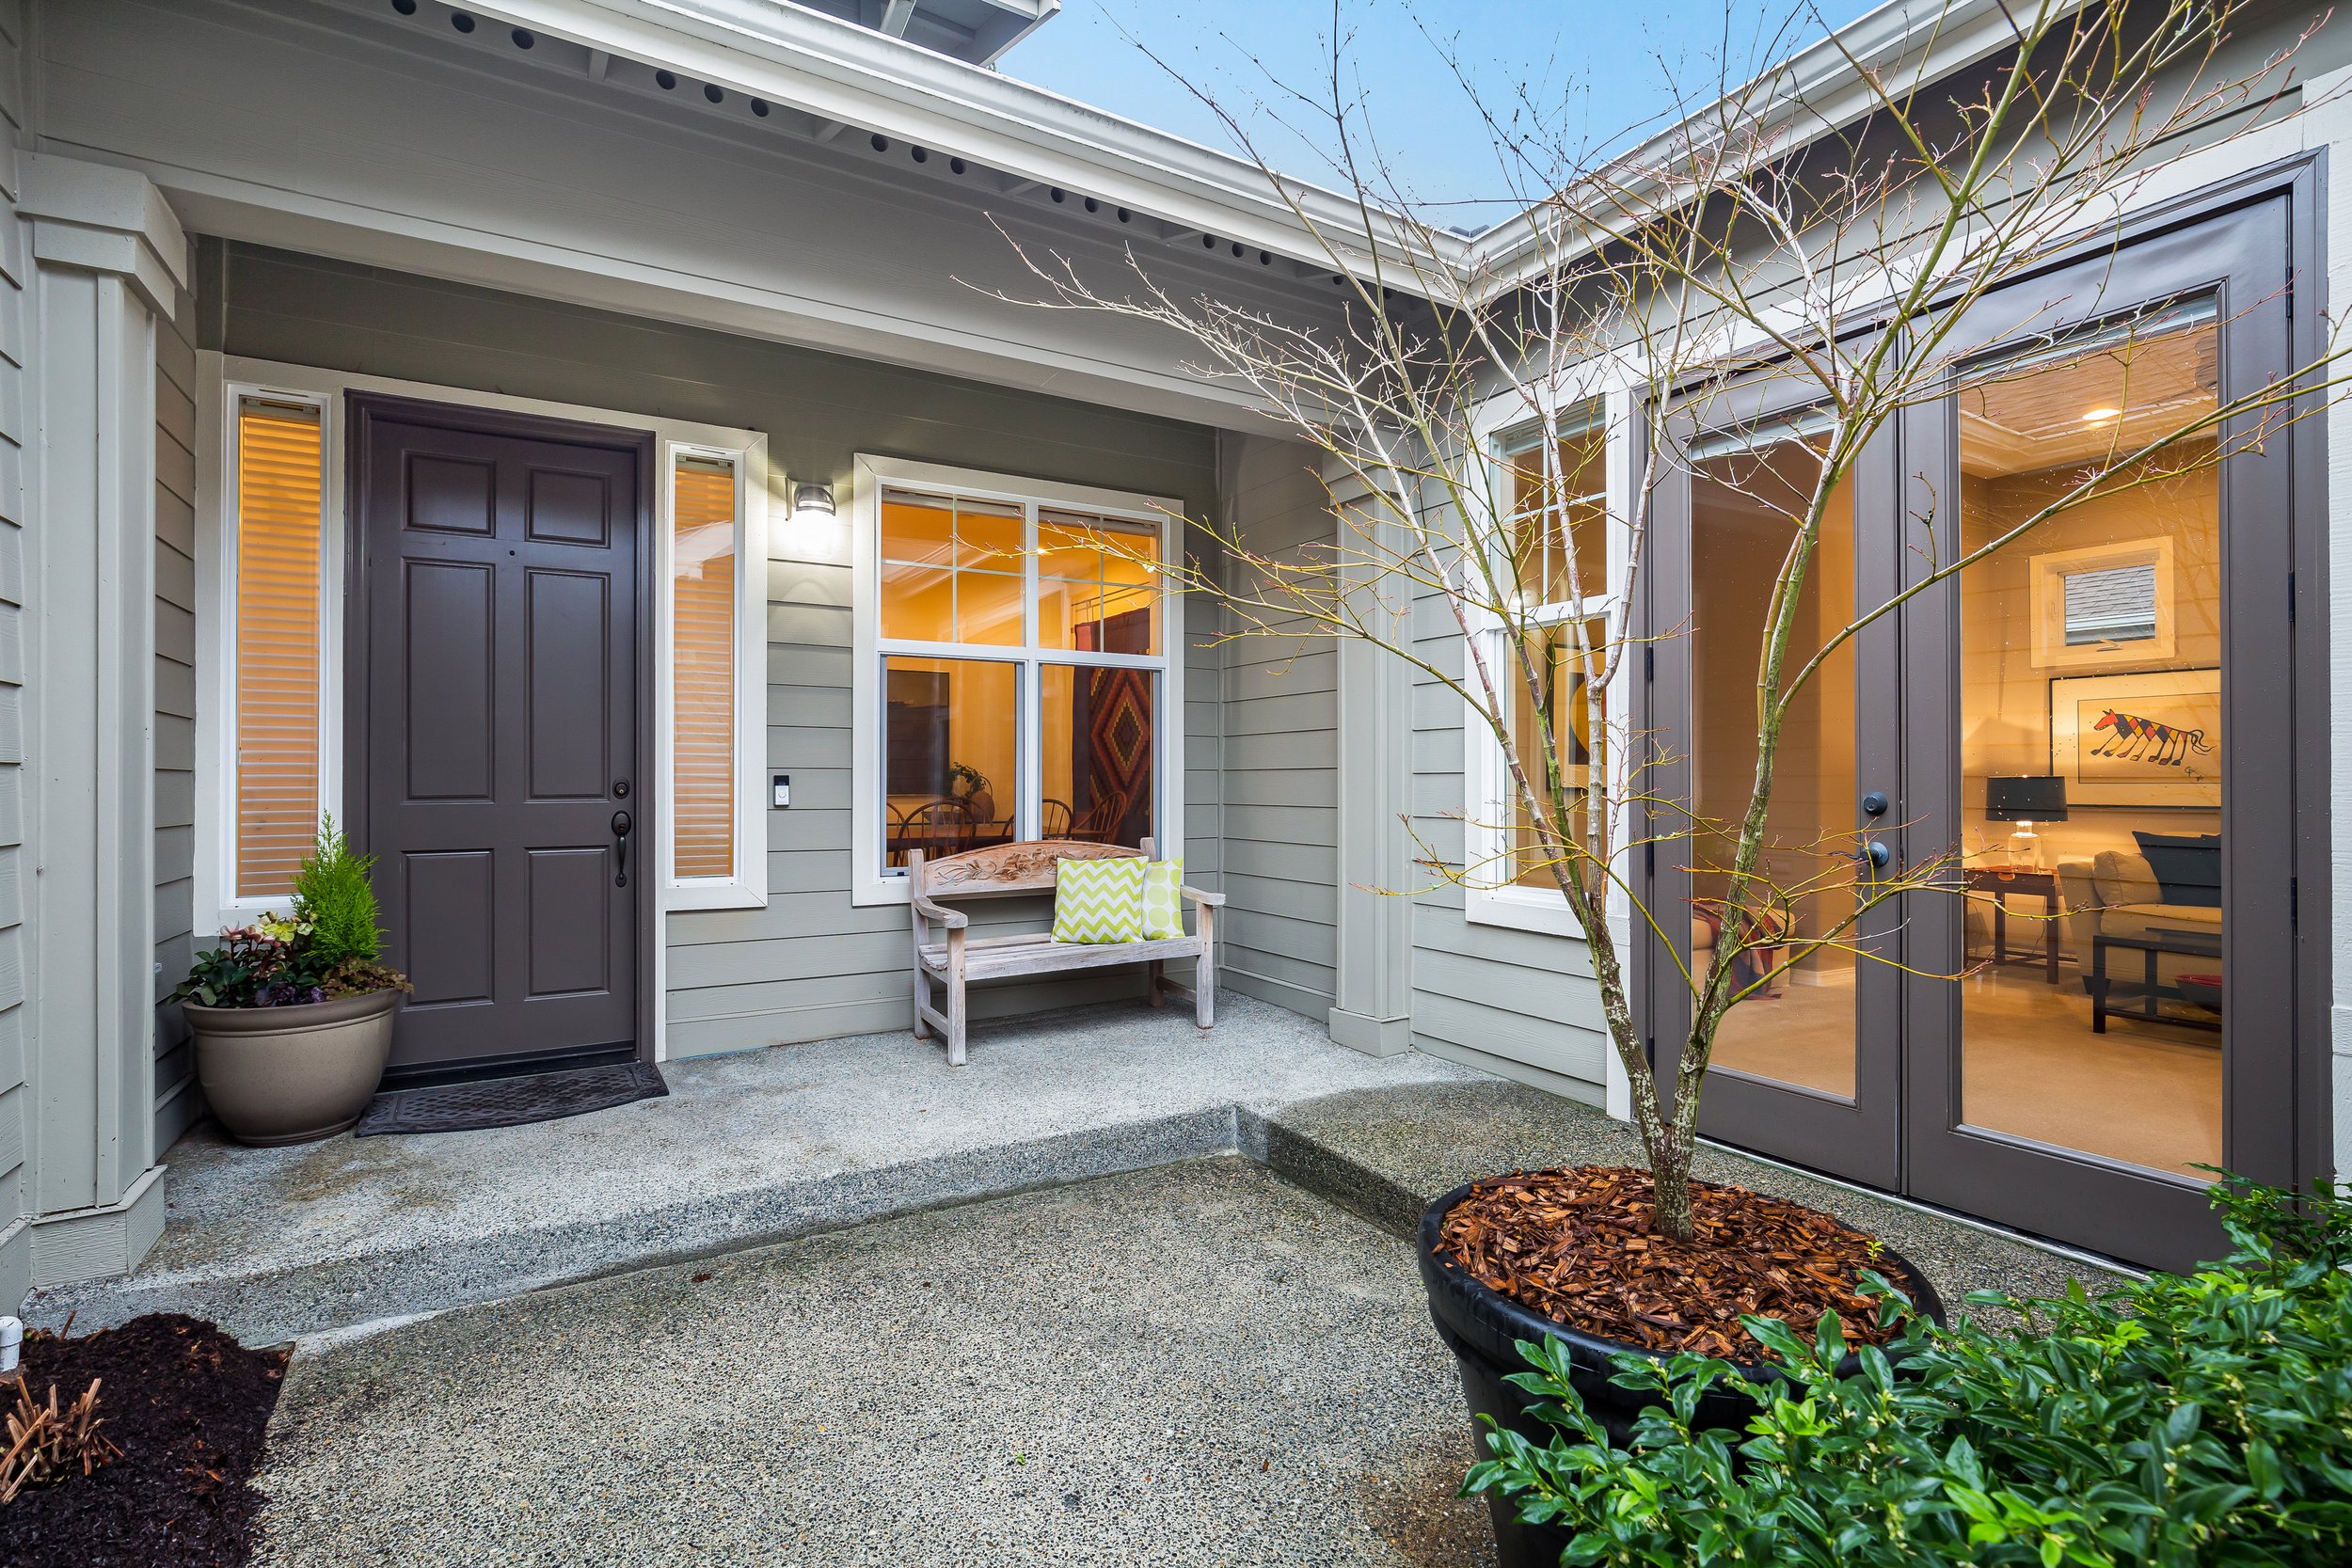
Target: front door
<point x="494" y="728"/>
<point x="2092" y="733"/>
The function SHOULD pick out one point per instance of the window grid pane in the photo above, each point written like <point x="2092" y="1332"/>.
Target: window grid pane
<point x="279" y="457"/>
<point x="703" y="610"/>
<point x="1554" y="516"/>
<point x="951" y="749"/>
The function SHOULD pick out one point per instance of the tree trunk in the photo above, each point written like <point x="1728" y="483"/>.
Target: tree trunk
<point x="1670" y="1154"/>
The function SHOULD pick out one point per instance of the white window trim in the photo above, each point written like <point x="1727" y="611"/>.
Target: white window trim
<point x="222" y="380"/>
<point x="1485" y="776"/>
<point x="867" y="884"/>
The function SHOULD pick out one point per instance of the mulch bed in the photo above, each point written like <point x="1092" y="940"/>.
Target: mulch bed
<point x="1574" y="1245"/>
<point x="187" y="1405"/>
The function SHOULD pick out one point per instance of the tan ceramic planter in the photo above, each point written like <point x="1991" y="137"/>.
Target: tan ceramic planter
<point x="287" y="1075"/>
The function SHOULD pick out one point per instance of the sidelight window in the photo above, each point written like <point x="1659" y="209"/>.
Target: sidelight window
<point x="1013" y="672"/>
<point x="706" y="511"/>
<point x="280" y="483"/>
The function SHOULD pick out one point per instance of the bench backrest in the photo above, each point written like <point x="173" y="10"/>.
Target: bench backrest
<point x="1000" y="868"/>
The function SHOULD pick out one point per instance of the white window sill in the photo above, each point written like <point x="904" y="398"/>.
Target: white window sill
<point x="1520" y="908"/>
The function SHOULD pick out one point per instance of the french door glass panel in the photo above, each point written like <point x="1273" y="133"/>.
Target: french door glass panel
<point x="2091" y="676"/>
<point x="1795" y="1023"/>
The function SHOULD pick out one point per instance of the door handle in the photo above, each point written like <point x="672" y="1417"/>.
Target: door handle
<point x="621" y="825"/>
<point x="1880" y="854"/>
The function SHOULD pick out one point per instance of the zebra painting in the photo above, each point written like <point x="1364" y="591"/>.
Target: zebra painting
<point x="2131" y="737"/>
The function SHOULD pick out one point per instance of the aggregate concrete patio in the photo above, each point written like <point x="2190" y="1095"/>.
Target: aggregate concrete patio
<point x="1196" y="1365"/>
<point x="841" y="1304"/>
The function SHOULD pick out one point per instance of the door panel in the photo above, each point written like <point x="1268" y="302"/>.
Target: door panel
<point x="2045" y="1105"/>
<point x="1807" y="1063"/>
<point x="495" y="730"/>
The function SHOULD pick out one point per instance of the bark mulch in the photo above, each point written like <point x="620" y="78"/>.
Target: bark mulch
<point x="187" y="1405"/>
<point x="1575" y="1244"/>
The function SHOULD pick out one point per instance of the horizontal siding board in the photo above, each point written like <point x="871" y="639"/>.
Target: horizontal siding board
<point x="1309" y="941"/>
<point x="1283" y="750"/>
<point x="1508" y="947"/>
<point x="1292" y="787"/>
<point x="1311" y="710"/>
<point x="1571" y="1051"/>
<point x="1312" y="902"/>
<point x="1282" y="825"/>
<point x="1301" y="974"/>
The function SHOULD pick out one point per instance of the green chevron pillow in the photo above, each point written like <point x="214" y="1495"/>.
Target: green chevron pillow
<point x="1162" y="899"/>
<point x="1099" y="900"/>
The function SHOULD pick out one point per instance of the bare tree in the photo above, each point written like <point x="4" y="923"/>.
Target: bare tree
<point x="1754" y="243"/>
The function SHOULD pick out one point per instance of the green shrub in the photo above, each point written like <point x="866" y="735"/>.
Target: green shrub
<point x="2198" y="1420"/>
<point x="333" y="899"/>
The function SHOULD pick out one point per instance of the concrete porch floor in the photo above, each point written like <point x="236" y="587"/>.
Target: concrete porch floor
<point x="768" y="1145"/>
<point x="755" y="1146"/>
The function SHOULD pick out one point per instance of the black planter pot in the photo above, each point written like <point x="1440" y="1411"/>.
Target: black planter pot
<point x="1482" y="1328"/>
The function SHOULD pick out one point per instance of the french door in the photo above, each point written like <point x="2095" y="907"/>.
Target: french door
<point x="2087" y="741"/>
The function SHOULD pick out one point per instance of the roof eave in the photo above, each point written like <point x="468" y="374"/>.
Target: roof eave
<point x="839" y="70"/>
<point x="1914" y="41"/>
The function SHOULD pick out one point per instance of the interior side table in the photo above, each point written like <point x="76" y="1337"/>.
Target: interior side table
<point x="2001" y="881"/>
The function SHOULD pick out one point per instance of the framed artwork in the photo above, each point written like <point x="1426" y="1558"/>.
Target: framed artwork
<point x="2150" y="739"/>
<point x="1572" y="717"/>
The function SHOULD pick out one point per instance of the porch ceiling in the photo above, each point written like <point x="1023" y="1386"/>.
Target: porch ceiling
<point x="344" y="129"/>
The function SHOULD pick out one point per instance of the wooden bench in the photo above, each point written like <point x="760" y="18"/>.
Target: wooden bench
<point x="959" y="957"/>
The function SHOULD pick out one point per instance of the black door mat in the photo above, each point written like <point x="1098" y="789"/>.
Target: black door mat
<point x="511" y="1102"/>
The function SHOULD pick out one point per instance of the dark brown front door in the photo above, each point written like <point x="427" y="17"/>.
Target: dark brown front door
<point x="494" y="755"/>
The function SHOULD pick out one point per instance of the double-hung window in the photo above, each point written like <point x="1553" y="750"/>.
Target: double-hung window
<point x="1552" y="567"/>
<point x="1014" y="680"/>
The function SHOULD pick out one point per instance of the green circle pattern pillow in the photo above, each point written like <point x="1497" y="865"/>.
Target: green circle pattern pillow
<point x="1162" y="899"/>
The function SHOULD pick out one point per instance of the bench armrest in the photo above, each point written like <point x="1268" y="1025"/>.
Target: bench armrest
<point x="1211" y="899"/>
<point x="955" y="920"/>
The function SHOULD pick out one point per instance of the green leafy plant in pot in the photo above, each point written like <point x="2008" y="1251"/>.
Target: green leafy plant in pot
<point x="293" y="1015"/>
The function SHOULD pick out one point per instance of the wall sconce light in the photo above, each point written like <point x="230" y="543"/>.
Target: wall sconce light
<point x="811" y="501"/>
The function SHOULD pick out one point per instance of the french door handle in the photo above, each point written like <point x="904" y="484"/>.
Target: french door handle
<point x="621" y="825"/>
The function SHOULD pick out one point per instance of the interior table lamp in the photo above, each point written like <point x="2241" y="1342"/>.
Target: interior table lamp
<point x="2025" y="800"/>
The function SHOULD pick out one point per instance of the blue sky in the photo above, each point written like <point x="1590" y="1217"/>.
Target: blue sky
<point x="1597" y="67"/>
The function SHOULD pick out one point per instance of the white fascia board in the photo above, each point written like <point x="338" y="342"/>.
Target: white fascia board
<point x="839" y="70"/>
<point x="1818" y="90"/>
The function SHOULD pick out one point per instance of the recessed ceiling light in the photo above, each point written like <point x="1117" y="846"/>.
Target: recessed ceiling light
<point x="2098" y="414"/>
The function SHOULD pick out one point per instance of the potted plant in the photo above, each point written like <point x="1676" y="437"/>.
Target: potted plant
<point x="293" y="1016"/>
<point x="968" y="787"/>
